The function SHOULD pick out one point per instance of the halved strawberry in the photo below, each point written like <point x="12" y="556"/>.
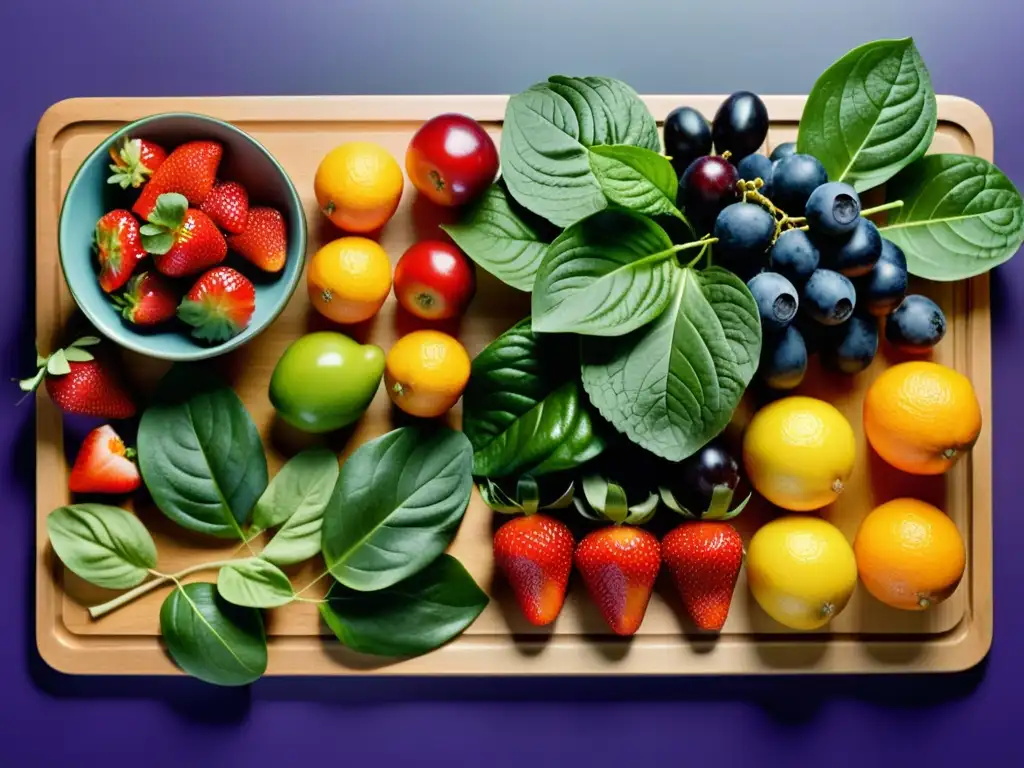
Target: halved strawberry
<point x="135" y="160"/>
<point x="147" y="300"/>
<point x="264" y="241"/>
<point x="189" y="170"/>
<point x="219" y="305"/>
<point x="104" y="464"/>
<point x="228" y="206"/>
<point x="79" y="383"/>
<point x="118" y="247"/>
<point x="183" y="240"/>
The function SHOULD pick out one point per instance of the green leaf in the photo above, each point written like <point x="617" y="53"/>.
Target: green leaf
<point x="77" y="355"/>
<point x="674" y="385"/>
<point x="546" y="139"/>
<point x="604" y="276"/>
<point x="961" y="217"/>
<point x="169" y="211"/>
<point x="254" y="583"/>
<point x="306" y="480"/>
<point x="637" y="179"/>
<point x="57" y="365"/>
<point x="158" y="244"/>
<point x="523" y="410"/>
<point x="151" y="229"/>
<point x="211" y="639"/>
<point x="870" y="114"/>
<point x="397" y="505"/>
<point x="410" y="618"/>
<point x="200" y="453"/>
<point x="503" y="238"/>
<point x="86" y="341"/>
<point x="107" y="546"/>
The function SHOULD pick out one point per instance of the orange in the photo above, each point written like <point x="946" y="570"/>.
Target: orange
<point x="358" y="185"/>
<point x="921" y="417"/>
<point x="349" y="279"/>
<point x="909" y="554"/>
<point x="425" y="373"/>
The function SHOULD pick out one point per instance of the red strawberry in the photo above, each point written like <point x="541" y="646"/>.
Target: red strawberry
<point x="119" y="248"/>
<point x="135" y="161"/>
<point x="78" y="383"/>
<point x="189" y="170"/>
<point x="228" y="206"/>
<point x="183" y="240"/>
<point x="619" y="565"/>
<point x="535" y="554"/>
<point x="148" y="300"/>
<point x="264" y="241"/>
<point x="219" y="305"/>
<point x="104" y="465"/>
<point x="704" y="559"/>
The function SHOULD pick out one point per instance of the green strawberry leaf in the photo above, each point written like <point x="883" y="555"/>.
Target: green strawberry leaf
<point x="170" y="210"/>
<point x="151" y="229"/>
<point x="57" y="365"/>
<point x="158" y="244"/>
<point x="76" y="355"/>
<point x="208" y="325"/>
<point x="86" y="341"/>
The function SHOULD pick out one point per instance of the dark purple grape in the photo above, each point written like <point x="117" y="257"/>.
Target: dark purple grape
<point x="740" y="125"/>
<point x="687" y="136"/>
<point x="701" y="473"/>
<point x="707" y="186"/>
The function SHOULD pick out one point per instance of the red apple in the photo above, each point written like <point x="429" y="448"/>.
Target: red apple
<point x="434" y="280"/>
<point x="451" y="159"/>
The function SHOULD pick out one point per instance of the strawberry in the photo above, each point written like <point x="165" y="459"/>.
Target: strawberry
<point x="619" y="565"/>
<point x="148" y="300"/>
<point x="135" y="161"/>
<point x="704" y="559"/>
<point x="264" y="241"/>
<point x="119" y="248"/>
<point x="104" y="465"/>
<point x="219" y="305"/>
<point x="189" y="170"/>
<point x="78" y="383"/>
<point x="228" y="206"/>
<point x="535" y="554"/>
<point x="183" y="240"/>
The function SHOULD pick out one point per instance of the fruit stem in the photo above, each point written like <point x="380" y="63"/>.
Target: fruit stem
<point x="98" y="611"/>
<point x="882" y="208"/>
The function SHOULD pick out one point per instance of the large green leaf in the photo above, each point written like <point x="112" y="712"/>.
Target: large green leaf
<point x="254" y="583"/>
<point x="397" y="505"/>
<point x="673" y="386"/>
<point x="523" y="410"/>
<point x="107" y="546"/>
<point x="637" y="179"/>
<point x="200" y="453"/>
<point x="961" y="217"/>
<point x="870" y="114"/>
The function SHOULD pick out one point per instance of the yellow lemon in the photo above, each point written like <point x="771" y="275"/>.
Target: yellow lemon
<point x="349" y="279"/>
<point x="426" y="372"/>
<point x="801" y="570"/>
<point x="799" y="452"/>
<point x="358" y="186"/>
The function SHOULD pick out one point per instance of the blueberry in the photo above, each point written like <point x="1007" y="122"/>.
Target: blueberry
<point x="740" y="125"/>
<point x="794" y="256"/>
<point x="916" y="325"/>
<point x="812" y="331"/>
<point x="776" y="300"/>
<point x="857" y="254"/>
<point x="829" y="297"/>
<point x="849" y="348"/>
<point x="687" y="136"/>
<point x="744" y="232"/>
<point x="882" y="289"/>
<point x="783" y="360"/>
<point x="788" y="149"/>
<point x="892" y="252"/>
<point x="793" y="180"/>
<point x="755" y="167"/>
<point x="832" y="209"/>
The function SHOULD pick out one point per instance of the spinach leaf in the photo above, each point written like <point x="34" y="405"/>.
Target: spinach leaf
<point x="397" y="505"/>
<point x="870" y="114"/>
<point x="409" y="618"/>
<point x="503" y="238"/>
<point x="211" y="639"/>
<point x="254" y="583"/>
<point x="200" y="453"/>
<point x="106" y="546"/>
<point x="962" y="217"/>
<point x="672" y="386"/>
<point x="636" y="179"/>
<point x="546" y="139"/>
<point x="604" y="276"/>
<point x="523" y="410"/>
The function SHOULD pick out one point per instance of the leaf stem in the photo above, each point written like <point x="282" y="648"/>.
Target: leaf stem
<point x="314" y="582"/>
<point x="98" y="611"/>
<point x="880" y="208"/>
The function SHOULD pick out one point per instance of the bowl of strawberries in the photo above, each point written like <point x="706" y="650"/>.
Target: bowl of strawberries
<point x="181" y="237"/>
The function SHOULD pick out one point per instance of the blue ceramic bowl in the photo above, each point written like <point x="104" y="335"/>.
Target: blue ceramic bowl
<point x="89" y="197"/>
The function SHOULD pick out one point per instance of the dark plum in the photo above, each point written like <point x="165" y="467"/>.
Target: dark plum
<point x="858" y="253"/>
<point x="783" y="360"/>
<point x="832" y="209"/>
<point x="707" y="186"/>
<point x="776" y="299"/>
<point x="710" y="467"/>
<point x="786" y="149"/>
<point x="916" y="325"/>
<point x="744" y="232"/>
<point x="794" y="256"/>
<point x="882" y="289"/>
<point x="793" y="180"/>
<point x="740" y="125"/>
<point x="829" y="297"/>
<point x="755" y="167"/>
<point x="849" y="348"/>
<point x="687" y="136"/>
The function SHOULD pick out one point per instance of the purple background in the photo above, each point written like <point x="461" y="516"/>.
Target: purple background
<point x="61" y="48"/>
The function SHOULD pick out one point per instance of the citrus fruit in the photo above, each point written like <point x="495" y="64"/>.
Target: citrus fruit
<point x="910" y="555"/>
<point x="798" y="453"/>
<point x="358" y="185"/>
<point x="425" y="373"/>
<point x="349" y="279"/>
<point x="921" y="416"/>
<point x="801" y="570"/>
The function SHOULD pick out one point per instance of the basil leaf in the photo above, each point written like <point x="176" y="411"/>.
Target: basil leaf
<point x="211" y="639"/>
<point x="546" y="137"/>
<point x="302" y="487"/>
<point x="503" y="238"/>
<point x="674" y="385"/>
<point x="106" y="546"/>
<point x="299" y="538"/>
<point x="870" y="114"/>
<point x="961" y="217"/>
<point x="604" y="276"/>
<point x="254" y="583"/>
<point x="200" y="453"/>
<point x="523" y="410"/>
<point x="637" y="179"/>
<point x="397" y="505"/>
<point x="412" y="617"/>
